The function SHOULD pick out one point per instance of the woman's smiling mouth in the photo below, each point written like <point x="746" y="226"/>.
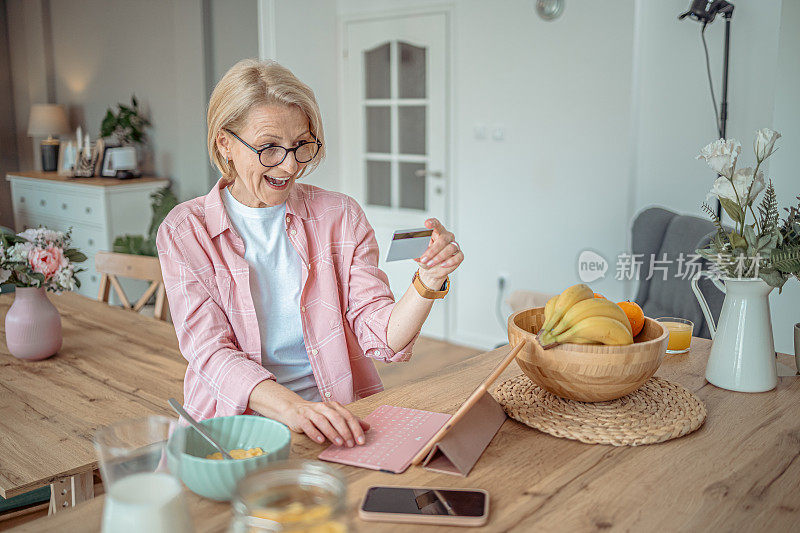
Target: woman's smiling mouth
<point x="277" y="183"/>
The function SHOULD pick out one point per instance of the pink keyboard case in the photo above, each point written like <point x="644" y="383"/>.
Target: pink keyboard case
<point x="395" y="436"/>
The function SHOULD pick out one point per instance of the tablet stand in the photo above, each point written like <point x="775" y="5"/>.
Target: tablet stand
<point x="459" y="450"/>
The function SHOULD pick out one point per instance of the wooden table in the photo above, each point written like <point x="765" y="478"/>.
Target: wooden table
<point x="739" y="471"/>
<point x="113" y="364"/>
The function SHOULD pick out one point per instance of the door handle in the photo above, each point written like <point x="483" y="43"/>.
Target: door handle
<point x="421" y="173"/>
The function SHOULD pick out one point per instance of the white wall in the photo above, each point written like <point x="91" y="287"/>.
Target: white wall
<point x="167" y="53"/>
<point x="528" y="205"/>
<point x="312" y="54"/>
<point x="604" y="111"/>
<point x="784" y="168"/>
<point x="676" y="119"/>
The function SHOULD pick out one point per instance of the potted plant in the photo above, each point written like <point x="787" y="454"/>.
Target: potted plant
<point x="759" y="254"/>
<point x="163" y="202"/>
<point x="35" y="261"/>
<point x="127" y="127"/>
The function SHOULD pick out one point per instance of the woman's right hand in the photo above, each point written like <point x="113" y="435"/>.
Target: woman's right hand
<point x="331" y="420"/>
<point x="318" y="420"/>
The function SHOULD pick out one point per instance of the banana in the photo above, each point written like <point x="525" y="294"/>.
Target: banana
<point x="591" y="307"/>
<point x="548" y="309"/>
<point x="599" y="329"/>
<point x="566" y="299"/>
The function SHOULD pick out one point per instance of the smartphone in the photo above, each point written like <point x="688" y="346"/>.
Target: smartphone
<point x="425" y="505"/>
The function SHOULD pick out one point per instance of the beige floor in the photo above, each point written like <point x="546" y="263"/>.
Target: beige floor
<point x="430" y="356"/>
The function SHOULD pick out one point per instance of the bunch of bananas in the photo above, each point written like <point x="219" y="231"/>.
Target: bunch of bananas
<point x="577" y="316"/>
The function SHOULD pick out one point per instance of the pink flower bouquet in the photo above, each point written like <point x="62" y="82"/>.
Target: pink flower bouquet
<point x="40" y="258"/>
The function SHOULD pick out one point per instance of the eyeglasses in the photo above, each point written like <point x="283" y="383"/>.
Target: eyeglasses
<point x="273" y="155"/>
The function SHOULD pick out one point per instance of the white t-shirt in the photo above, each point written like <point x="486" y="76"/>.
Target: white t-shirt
<point x="275" y="284"/>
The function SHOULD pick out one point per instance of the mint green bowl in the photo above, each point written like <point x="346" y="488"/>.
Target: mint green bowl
<point x="216" y="479"/>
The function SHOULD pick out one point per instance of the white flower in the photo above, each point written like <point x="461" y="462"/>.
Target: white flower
<point x="52" y="236"/>
<point x="765" y="142"/>
<point x="721" y="155"/>
<point x="43" y="236"/>
<point x="19" y="252"/>
<point x="31" y="234"/>
<point x="65" y="278"/>
<point x="4" y="275"/>
<point x="742" y="181"/>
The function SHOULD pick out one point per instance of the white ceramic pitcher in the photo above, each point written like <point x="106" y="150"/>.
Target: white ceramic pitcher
<point x="743" y="354"/>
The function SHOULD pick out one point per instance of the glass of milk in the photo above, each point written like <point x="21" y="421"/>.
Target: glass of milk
<point x="142" y="494"/>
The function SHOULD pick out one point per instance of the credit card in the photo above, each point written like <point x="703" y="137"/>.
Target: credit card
<point x="409" y="244"/>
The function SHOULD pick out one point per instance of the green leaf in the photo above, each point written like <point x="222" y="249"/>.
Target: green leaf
<point x="10" y="239"/>
<point x="767" y="242"/>
<point x="737" y="241"/>
<point x="732" y="208"/>
<point x="768" y="210"/>
<point x="134" y="244"/>
<point x="108" y="124"/>
<point x="773" y="279"/>
<point x="74" y="255"/>
<point x="163" y="201"/>
<point x="721" y="237"/>
<point x="750" y="234"/>
<point x="787" y="260"/>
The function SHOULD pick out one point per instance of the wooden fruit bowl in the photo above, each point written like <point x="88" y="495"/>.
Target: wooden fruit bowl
<point x="587" y="372"/>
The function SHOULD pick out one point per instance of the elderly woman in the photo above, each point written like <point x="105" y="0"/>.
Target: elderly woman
<point x="273" y="284"/>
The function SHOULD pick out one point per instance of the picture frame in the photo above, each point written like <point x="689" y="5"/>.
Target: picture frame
<point x="67" y="158"/>
<point x="105" y="169"/>
<point x="97" y="155"/>
<point x="87" y="168"/>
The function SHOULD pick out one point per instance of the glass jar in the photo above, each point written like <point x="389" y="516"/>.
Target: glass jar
<point x="296" y="496"/>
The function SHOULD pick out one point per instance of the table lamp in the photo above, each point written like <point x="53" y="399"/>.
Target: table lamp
<point x="48" y="120"/>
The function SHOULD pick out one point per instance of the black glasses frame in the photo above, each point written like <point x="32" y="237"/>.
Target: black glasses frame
<point x="285" y="150"/>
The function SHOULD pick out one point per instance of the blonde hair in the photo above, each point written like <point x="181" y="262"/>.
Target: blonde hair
<point x="250" y="83"/>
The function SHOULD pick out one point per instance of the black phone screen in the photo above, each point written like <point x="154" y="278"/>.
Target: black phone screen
<point x="423" y="501"/>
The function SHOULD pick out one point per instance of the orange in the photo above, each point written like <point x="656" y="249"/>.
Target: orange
<point x="598" y="295"/>
<point x="635" y="315"/>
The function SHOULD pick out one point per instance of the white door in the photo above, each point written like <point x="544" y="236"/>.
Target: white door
<point x="395" y="130"/>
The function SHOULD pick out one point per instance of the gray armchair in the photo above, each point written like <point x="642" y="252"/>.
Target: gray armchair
<point x="656" y="232"/>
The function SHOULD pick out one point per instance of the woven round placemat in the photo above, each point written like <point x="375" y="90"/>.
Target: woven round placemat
<point x="658" y="411"/>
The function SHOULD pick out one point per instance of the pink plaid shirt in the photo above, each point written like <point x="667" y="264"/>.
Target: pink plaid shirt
<point x="345" y="300"/>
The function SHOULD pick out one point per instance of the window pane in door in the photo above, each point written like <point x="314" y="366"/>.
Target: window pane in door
<point x="378" y="129"/>
<point x="376" y="72"/>
<point x="379" y="183"/>
<point x="411" y="71"/>
<point x="411" y="129"/>
<point x="412" y="187"/>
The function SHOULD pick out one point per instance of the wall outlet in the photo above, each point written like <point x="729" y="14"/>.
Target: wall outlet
<point x="502" y="280"/>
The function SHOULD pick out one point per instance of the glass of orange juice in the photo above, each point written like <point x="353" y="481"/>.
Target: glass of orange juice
<point x="680" y="334"/>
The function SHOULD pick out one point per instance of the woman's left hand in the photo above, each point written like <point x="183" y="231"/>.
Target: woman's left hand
<point x="442" y="257"/>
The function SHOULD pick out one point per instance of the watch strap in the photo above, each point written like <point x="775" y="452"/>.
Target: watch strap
<point x="427" y="292"/>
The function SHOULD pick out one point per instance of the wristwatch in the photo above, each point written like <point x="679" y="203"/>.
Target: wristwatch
<point x="430" y="294"/>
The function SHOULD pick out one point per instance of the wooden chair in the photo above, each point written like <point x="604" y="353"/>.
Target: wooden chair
<point x="141" y="267"/>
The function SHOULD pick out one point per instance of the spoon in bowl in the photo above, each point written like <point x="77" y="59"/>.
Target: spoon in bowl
<point x="200" y="429"/>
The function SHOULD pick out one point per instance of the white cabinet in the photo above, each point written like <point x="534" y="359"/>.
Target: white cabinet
<point x="97" y="209"/>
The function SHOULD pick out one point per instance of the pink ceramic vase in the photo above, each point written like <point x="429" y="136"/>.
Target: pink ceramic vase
<point x="33" y="325"/>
